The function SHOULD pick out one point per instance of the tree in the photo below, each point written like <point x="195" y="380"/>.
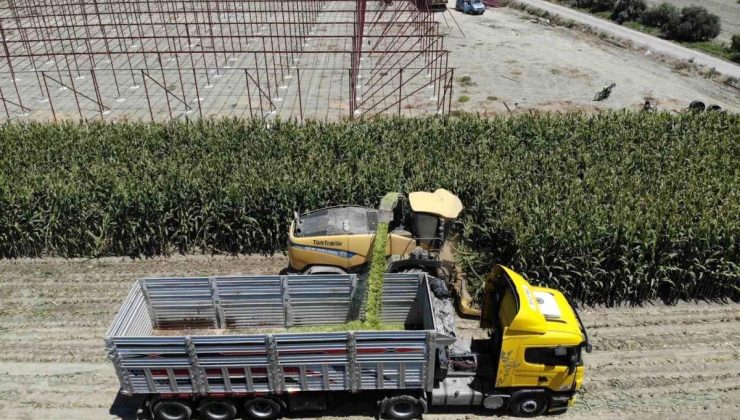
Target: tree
<point x="735" y="48"/>
<point x="695" y="24"/>
<point x="659" y="15"/>
<point x="627" y="10"/>
<point x="583" y="4"/>
<point x="735" y="45"/>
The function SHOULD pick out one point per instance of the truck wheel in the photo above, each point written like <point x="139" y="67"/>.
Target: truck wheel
<point x="528" y="404"/>
<point x="217" y="410"/>
<point x="697" y="106"/>
<point x="262" y="409"/>
<point x="402" y="408"/>
<point x="171" y="410"/>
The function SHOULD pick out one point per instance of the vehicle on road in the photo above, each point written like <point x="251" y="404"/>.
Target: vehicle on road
<point x="260" y="346"/>
<point x="472" y="7"/>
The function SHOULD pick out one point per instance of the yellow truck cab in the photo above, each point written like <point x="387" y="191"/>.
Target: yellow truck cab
<point x="538" y="337"/>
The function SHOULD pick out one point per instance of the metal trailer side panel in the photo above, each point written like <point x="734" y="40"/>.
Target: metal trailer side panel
<point x="274" y="363"/>
<point x="258" y="363"/>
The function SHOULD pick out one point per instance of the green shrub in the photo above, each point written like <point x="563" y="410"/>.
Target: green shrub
<point x="735" y="48"/>
<point x="735" y="43"/>
<point x="602" y="5"/>
<point x="628" y="10"/>
<point x="609" y="208"/>
<point x="694" y="24"/>
<point x="583" y="4"/>
<point x="659" y="15"/>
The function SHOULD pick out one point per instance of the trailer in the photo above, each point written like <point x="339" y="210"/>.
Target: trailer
<point x="217" y="348"/>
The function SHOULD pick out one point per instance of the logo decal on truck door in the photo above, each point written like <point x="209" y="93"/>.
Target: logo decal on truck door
<point x="506" y="365"/>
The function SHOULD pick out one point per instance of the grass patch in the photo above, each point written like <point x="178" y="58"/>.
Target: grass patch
<point x="463" y="98"/>
<point x="466" y="81"/>
<point x="714" y="47"/>
<point x="642" y="28"/>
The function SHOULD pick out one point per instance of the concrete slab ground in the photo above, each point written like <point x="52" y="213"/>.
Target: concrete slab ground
<point x="505" y="61"/>
<point x="120" y="60"/>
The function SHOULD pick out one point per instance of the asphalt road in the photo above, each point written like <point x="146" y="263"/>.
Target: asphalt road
<point x="638" y="38"/>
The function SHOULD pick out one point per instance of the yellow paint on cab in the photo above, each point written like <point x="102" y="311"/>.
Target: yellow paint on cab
<point x="356" y="249"/>
<point x="524" y="326"/>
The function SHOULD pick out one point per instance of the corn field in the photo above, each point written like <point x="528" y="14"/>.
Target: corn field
<point x="619" y="207"/>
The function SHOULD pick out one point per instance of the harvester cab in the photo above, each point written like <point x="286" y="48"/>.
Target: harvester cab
<point x="340" y="239"/>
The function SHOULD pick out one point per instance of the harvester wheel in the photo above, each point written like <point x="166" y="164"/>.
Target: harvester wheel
<point x="171" y="410"/>
<point x="217" y="410"/>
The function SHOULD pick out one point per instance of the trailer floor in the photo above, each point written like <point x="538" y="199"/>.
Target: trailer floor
<point x="651" y="362"/>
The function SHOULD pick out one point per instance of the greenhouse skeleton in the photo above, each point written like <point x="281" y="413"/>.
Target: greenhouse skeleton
<point x="159" y="60"/>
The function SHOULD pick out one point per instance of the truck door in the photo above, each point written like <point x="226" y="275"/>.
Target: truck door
<point x="547" y="367"/>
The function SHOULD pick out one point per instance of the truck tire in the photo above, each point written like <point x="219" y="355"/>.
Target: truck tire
<point x="262" y="409"/>
<point x="402" y="407"/>
<point x="528" y="404"/>
<point x="217" y="410"/>
<point x="697" y="106"/>
<point x="171" y="410"/>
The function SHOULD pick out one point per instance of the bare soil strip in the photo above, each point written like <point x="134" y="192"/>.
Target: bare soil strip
<point x="649" y="362"/>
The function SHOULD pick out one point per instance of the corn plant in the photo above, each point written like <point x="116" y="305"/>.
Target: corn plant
<point x="618" y="207"/>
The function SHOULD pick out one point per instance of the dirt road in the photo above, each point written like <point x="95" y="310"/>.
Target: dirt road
<point x="655" y="361"/>
<point x="509" y="61"/>
<point x="655" y="44"/>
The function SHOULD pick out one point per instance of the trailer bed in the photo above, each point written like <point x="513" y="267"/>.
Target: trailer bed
<point x="204" y="335"/>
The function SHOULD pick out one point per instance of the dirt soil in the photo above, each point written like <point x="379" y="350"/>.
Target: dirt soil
<point x="650" y="362"/>
<point x="509" y="61"/>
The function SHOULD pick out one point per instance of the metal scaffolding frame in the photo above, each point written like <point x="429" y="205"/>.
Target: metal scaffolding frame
<point x="164" y="59"/>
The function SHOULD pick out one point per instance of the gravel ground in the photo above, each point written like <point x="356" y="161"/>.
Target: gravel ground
<point x="649" y="362"/>
<point x="514" y="58"/>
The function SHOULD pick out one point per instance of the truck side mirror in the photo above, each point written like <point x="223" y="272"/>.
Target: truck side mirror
<point x="572" y="363"/>
<point x="589" y="348"/>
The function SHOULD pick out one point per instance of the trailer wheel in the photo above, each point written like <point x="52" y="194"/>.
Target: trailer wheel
<point x="262" y="409"/>
<point x="171" y="410"/>
<point x="402" y="407"/>
<point x="217" y="410"/>
<point x="528" y="404"/>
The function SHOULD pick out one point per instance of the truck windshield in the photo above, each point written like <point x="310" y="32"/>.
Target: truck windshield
<point x="476" y="1"/>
